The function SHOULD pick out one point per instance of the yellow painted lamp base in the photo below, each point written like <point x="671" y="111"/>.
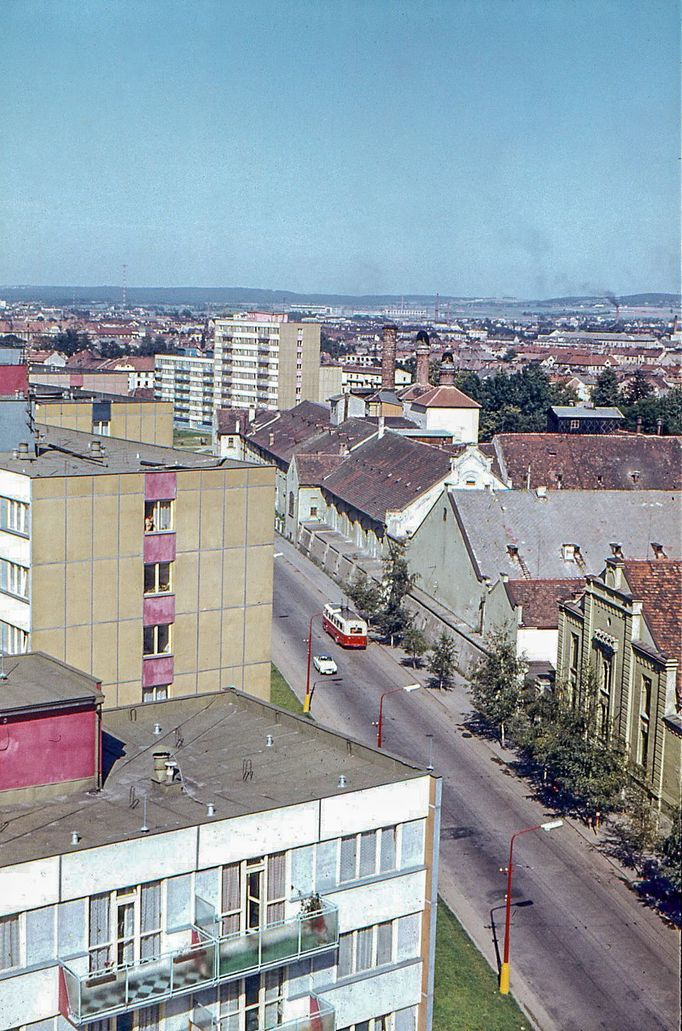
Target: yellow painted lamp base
<point x="504" y="979"/>
<point x="306" y="703"/>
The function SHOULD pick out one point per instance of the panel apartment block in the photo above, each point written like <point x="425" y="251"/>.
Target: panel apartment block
<point x="149" y="568"/>
<point x="292" y="885"/>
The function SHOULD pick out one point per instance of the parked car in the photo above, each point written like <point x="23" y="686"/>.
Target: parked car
<point x="324" y="664"/>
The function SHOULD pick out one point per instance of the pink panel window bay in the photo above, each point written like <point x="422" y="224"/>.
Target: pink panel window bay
<point x="160" y="486"/>
<point x="157" y="671"/>
<point x="159" y="610"/>
<point x="159" y="547"/>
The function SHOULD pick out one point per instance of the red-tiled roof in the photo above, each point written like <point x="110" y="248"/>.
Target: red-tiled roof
<point x="444" y="397"/>
<point x="658" y="585"/>
<point x="387" y="474"/>
<point x="539" y="600"/>
<point x="614" y="461"/>
<point x="312" y="469"/>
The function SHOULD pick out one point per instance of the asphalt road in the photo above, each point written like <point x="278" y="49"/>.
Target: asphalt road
<point x="584" y="953"/>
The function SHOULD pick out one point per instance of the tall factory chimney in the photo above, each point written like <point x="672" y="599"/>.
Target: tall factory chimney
<point x="423" y="358"/>
<point x="447" y="370"/>
<point x="388" y="358"/>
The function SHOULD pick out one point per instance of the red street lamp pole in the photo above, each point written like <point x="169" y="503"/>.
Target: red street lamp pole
<point x="307" y="698"/>
<point x="504" y="970"/>
<point x="380" y="724"/>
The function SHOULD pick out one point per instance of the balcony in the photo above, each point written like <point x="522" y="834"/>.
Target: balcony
<point x="210" y="959"/>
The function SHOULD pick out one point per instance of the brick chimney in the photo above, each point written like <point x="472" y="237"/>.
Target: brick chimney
<point x="423" y="356"/>
<point x="447" y="370"/>
<point x="388" y="358"/>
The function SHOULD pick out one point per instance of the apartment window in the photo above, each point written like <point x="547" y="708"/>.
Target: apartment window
<point x="155" y="694"/>
<point x="157" y="578"/>
<point x="13" y="640"/>
<point x="14" y="516"/>
<point x="102" y="428"/>
<point x="573" y="660"/>
<point x="644" y="719"/>
<point x="13" y="578"/>
<point x="366" y="948"/>
<point x="10" y="942"/>
<point x="253" y="893"/>
<point x="157" y="639"/>
<point x="605" y="679"/>
<point x="125" y="926"/>
<point x="158" y="516"/>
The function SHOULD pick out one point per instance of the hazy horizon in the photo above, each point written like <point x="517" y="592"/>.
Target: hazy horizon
<point x="472" y="148"/>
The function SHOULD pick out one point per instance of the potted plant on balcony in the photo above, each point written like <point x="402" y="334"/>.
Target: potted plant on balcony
<point x="311" y="907"/>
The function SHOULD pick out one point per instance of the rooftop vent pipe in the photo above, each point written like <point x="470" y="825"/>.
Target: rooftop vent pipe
<point x="160" y="770"/>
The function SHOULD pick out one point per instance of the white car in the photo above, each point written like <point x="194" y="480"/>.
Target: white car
<point x="324" y="664"/>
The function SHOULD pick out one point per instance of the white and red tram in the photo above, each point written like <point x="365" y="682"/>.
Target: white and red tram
<point x="345" y="626"/>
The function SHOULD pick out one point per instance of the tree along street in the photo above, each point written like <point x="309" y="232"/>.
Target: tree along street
<point x="585" y="954"/>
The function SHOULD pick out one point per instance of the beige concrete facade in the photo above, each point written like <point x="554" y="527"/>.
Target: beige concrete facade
<point x="86" y="548"/>
<point x="150" y="422"/>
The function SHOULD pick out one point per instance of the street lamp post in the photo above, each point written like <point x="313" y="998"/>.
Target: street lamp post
<point x="504" y="969"/>
<point x="380" y="724"/>
<point x="307" y="699"/>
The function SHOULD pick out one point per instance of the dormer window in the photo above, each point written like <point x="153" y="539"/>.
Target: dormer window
<point x="568" y="552"/>
<point x="658" y="550"/>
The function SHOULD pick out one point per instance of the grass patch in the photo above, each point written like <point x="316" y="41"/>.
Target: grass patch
<point x="281" y="694"/>
<point x="191" y="439"/>
<point x="466" y="996"/>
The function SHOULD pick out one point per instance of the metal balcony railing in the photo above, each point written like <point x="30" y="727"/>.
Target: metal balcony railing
<point x="211" y="959"/>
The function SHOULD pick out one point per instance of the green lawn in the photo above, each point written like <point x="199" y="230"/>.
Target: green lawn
<point x="466" y="995"/>
<point x="281" y="694"/>
<point x="191" y="439"/>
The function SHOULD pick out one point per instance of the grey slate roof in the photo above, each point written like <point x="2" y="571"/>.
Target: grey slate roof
<point x="538" y="527"/>
<point x="582" y="412"/>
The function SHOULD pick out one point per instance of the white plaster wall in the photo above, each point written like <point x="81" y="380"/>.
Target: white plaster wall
<point x="373" y="996"/>
<point x="14" y="548"/>
<point x="537" y="645"/>
<point x="28" y="997"/>
<point x="15" y="611"/>
<point x="373" y="808"/>
<point x="382" y="900"/>
<point x="113" y="866"/>
<point x="461" y="422"/>
<point x="14" y="485"/>
<point x="29" y="885"/>
<point x="257" y="834"/>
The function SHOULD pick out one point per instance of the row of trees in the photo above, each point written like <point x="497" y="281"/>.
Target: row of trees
<point x="638" y="403"/>
<point x="383" y="606"/>
<point x="516" y="403"/>
<point x="586" y="770"/>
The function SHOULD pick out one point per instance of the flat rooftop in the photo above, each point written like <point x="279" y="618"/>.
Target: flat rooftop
<point x="38" y="681"/>
<point x="214" y="739"/>
<point x="61" y="452"/>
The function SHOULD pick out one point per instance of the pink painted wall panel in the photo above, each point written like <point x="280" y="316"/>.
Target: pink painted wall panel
<point x="13" y="378"/>
<point x="157" y="671"/>
<point x="159" y="610"/>
<point x="159" y="547"/>
<point x="159" y="486"/>
<point x="48" y="749"/>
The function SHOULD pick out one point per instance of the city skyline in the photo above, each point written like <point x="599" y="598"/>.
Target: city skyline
<point x="484" y="149"/>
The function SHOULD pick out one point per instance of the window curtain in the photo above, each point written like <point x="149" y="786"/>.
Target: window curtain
<point x="100" y="935"/>
<point x="150" y="919"/>
<point x="9" y="942"/>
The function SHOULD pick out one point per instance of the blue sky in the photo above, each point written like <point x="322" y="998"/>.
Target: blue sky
<point x="521" y="147"/>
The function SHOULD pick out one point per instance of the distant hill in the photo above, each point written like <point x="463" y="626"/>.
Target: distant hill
<point x="240" y="296"/>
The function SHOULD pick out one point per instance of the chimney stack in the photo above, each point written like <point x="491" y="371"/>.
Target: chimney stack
<point x="388" y="358"/>
<point x="423" y="357"/>
<point x="447" y="370"/>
